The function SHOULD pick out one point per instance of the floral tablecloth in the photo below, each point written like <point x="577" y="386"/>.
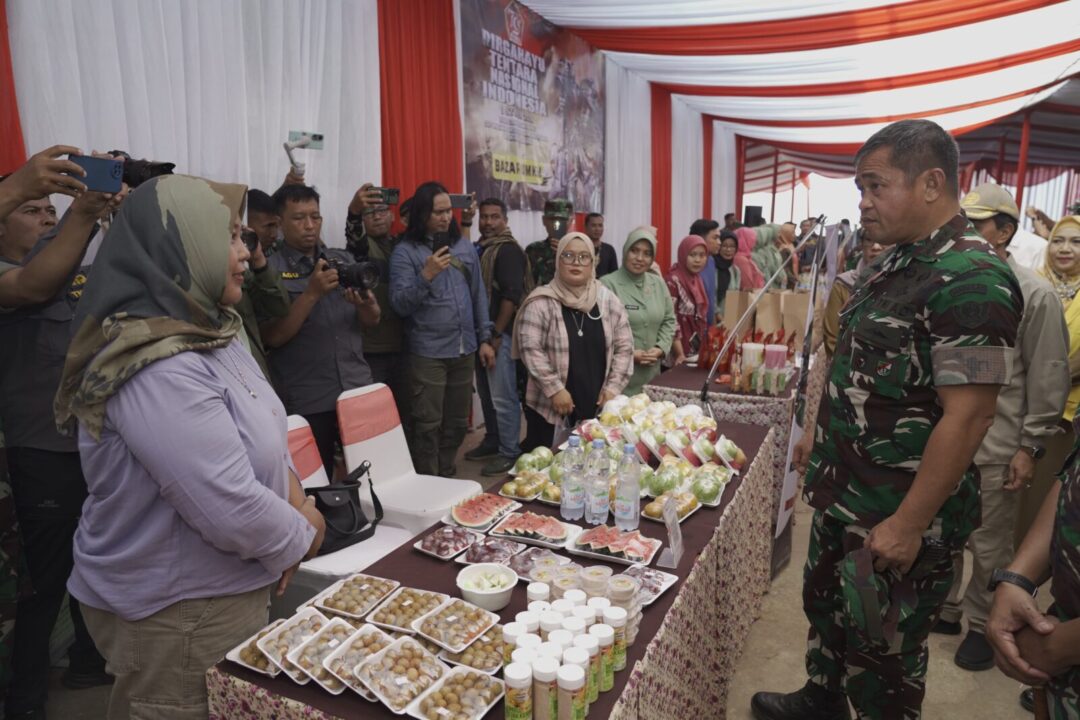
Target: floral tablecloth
<point x="685" y="669"/>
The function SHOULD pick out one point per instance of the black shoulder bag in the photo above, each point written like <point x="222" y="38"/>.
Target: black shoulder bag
<point x="340" y="506"/>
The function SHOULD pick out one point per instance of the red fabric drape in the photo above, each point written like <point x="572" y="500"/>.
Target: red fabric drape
<point x="12" y="150"/>
<point x="421" y="120"/>
<point x="661" y="172"/>
<point x="887" y="83"/>
<point x="807" y="33"/>
<point x="706" y="166"/>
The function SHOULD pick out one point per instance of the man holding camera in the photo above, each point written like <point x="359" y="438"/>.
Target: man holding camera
<point x="558" y="215"/>
<point x="318" y="348"/>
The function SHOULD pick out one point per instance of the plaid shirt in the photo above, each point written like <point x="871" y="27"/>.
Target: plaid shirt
<point x="545" y="349"/>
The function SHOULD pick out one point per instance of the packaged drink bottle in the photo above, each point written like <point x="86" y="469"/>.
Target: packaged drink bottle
<point x="572" y="504"/>
<point x="628" y="491"/>
<point x="597" y="489"/>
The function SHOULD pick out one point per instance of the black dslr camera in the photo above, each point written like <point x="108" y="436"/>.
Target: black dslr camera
<point x="136" y="172"/>
<point x="361" y="276"/>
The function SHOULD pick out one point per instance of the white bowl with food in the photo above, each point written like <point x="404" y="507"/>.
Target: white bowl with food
<point x="487" y="585"/>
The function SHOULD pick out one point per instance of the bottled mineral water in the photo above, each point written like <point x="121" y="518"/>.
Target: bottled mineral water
<point x="572" y="504"/>
<point x="597" y="490"/>
<point x="628" y="491"/>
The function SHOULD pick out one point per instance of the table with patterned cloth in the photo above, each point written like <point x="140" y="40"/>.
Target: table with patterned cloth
<point x="689" y="639"/>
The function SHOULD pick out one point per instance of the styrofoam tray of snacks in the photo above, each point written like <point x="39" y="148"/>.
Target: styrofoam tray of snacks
<point x="361" y="645"/>
<point x="427" y="644"/>
<point x="355" y="596"/>
<point x="248" y="654"/>
<point x="403" y="606"/>
<point x="455" y="624"/>
<point x="309" y="656"/>
<point x="463" y="693"/>
<point x="490" y="550"/>
<point x="654" y="583"/>
<point x="526" y="561"/>
<point x="446" y="541"/>
<point x="400" y="673"/>
<point x="485" y="655"/>
<point x="290" y="635"/>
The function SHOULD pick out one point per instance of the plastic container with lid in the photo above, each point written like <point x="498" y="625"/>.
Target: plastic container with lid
<point x="564" y="638"/>
<point x="550" y="649"/>
<point x="538" y="591"/>
<point x="562" y="606"/>
<point x="560" y="585"/>
<point x="574" y="625"/>
<point x="524" y="655"/>
<point x="539" y="606"/>
<point x="605" y="636"/>
<point x="545" y="575"/>
<point x="572" y="702"/>
<point x="549" y="621"/>
<point x="616" y="618"/>
<point x="530" y="620"/>
<point x="510" y="633"/>
<point x="529" y="641"/>
<point x="591" y="645"/>
<point x="545" y="688"/>
<point x="594" y="579"/>
<point x="598" y="604"/>
<point x="576" y="596"/>
<point x="621" y="590"/>
<point x="587" y="614"/>
<point x="576" y="656"/>
<point x="519" y="693"/>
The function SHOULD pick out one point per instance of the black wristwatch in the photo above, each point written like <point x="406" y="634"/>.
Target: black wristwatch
<point x="1006" y="576"/>
<point x="1035" y="451"/>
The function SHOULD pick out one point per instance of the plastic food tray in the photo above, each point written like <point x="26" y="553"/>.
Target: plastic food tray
<point x="518" y="548"/>
<point x="414" y="707"/>
<point x="572" y="531"/>
<point x="443" y="670"/>
<point x="448" y="518"/>
<point x="398" y="628"/>
<point x="294" y="656"/>
<point x="265" y="643"/>
<point x="473" y="535"/>
<point x="320" y="599"/>
<point x="668" y="581"/>
<point x="496" y="631"/>
<point x="346" y="676"/>
<point x="661" y="518"/>
<point x="493" y="620"/>
<point x="234" y="654"/>
<point x="657" y="544"/>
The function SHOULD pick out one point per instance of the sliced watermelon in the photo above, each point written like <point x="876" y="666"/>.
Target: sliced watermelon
<point x="480" y="510"/>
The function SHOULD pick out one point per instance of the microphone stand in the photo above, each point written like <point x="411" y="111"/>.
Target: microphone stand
<point x="734" y="332"/>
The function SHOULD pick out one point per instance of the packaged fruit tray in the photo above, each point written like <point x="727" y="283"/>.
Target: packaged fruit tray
<point x="526" y="486"/>
<point x="542" y="530"/>
<point x="355" y="596"/>
<point x="485" y="655"/>
<point x="526" y="561"/>
<point x="404" y="605"/>
<point x="447" y="541"/>
<point x="491" y="550"/>
<point x="480" y="512"/>
<point x="400" y="673"/>
<point x="247" y="654"/>
<point x="608" y="543"/>
<point x="687" y="505"/>
<point x="472" y="692"/>
<point x="290" y="635"/>
<point x="361" y="645"/>
<point x="310" y="655"/>
<point x="654" y="583"/>
<point x="455" y="624"/>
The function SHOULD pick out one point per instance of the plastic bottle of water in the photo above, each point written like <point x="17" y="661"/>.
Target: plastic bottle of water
<point x="597" y="490"/>
<point x="572" y="505"/>
<point x="628" y="491"/>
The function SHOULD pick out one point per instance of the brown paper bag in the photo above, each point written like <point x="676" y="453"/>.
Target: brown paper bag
<point x="735" y="304"/>
<point x="770" y="317"/>
<point x="795" y="307"/>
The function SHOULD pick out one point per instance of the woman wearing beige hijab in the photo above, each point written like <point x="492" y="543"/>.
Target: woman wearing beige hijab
<point x="574" y="339"/>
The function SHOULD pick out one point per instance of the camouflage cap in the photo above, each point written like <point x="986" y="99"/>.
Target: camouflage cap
<point x="559" y="207"/>
<point x="988" y="200"/>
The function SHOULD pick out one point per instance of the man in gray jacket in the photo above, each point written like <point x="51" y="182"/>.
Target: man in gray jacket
<point x="1028" y="411"/>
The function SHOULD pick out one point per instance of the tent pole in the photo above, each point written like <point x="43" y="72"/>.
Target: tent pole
<point x="775" y="171"/>
<point x="740" y="174"/>
<point x="1021" y="166"/>
<point x="1000" y="170"/>
<point x="792" y="217"/>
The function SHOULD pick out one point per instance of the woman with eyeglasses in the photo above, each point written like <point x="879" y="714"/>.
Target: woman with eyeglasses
<point x="689" y="295"/>
<point x="574" y="339"/>
<point x="648" y="306"/>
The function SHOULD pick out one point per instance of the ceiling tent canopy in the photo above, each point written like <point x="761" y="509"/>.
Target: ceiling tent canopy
<point x="805" y="83"/>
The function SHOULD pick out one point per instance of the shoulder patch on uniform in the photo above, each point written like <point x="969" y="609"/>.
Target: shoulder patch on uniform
<point x="287" y="275"/>
<point x="972" y="314"/>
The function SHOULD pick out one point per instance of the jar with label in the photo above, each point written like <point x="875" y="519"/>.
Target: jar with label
<point x="576" y="596"/>
<point x="574" y="625"/>
<point x="605" y="636"/>
<point x="524" y="655"/>
<point x="549" y="621"/>
<point x="530" y="620"/>
<point x="519" y="692"/>
<point x="545" y="688"/>
<point x="571" y="693"/>
<point x="591" y="645"/>
<point x="550" y="649"/>
<point x="565" y="638"/>
<point x="538" y="591"/>
<point x="529" y="641"/>
<point x="562" y="606"/>
<point x="598" y="604"/>
<point x="510" y="632"/>
<point x="579" y="657"/>
<point x="616" y="618"/>
<point x="586" y="614"/>
<point x="539" y="606"/>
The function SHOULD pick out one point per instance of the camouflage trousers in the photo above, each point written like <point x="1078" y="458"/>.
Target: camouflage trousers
<point x="883" y="679"/>
<point x="13" y="581"/>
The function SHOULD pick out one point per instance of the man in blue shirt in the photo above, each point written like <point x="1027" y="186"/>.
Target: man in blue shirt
<point x="437" y="288"/>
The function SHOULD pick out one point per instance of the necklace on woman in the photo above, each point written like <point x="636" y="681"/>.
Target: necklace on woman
<point x="1065" y="289"/>
<point x="580" y="325"/>
<point x="238" y="375"/>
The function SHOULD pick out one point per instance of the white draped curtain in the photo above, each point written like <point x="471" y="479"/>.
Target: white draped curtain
<point x="723" y="171"/>
<point x="628" y="154"/>
<point x="687" y="165"/>
<point x="211" y="85"/>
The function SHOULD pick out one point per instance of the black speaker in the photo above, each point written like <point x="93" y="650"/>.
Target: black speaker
<point x="752" y="216"/>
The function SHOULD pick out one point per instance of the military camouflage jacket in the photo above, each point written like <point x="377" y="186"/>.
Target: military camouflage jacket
<point x="942" y="311"/>
<point x="542" y="261"/>
<point x="1065" y="542"/>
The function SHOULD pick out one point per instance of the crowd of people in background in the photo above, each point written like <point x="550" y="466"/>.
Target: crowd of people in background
<point x="213" y="311"/>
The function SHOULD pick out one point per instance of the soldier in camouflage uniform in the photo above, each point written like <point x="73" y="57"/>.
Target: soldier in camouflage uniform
<point x="924" y="347"/>
<point x="541" y="253"/>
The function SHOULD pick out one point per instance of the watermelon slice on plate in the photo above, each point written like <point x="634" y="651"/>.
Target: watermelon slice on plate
<point x="480" y="511"/>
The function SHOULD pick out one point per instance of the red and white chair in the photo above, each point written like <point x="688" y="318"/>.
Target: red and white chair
<point x="371" y="430"/>
<point x="317" y="574"/>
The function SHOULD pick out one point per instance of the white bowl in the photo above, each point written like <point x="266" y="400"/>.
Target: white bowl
<point x="493" y="600"/>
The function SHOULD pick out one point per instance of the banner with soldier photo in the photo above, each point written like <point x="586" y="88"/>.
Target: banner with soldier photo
<point x="534" y="108"/>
